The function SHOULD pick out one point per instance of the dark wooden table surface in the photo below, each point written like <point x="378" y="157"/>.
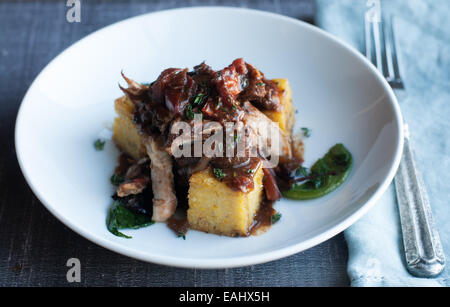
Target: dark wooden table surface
<point x="34" y="245"/>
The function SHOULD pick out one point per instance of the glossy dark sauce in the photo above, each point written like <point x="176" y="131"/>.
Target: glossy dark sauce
<point x="123" y="163"/>
<point x="263" y="218"/>
<point x="179" y="225"/>
<point x="241" y="178"/>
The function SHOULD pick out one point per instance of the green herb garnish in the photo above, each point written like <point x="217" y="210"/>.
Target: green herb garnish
<point x="219" y="173"/>
<point x="120" y="217"/>
<point x="182" y="235"/>
<point x="117" y="179"/>
<point x="260" y="84"/>
<point x="99" y="145"/>
<point x="306" y="132"/>
<point x="275" y="218"/>
<point x="199" y="98"/>
<point x="250" y="171"/>
<point x="189" y="112"/>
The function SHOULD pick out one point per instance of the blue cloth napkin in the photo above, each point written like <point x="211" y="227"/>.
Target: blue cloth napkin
<point x="422" y="28"/>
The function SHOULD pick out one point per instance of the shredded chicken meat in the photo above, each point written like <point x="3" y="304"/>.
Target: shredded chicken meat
<point x="164" y="200"/>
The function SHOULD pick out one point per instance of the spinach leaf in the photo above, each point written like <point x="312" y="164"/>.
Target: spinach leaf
<point x="117" y="179"/>
<point x="120" y="217"/>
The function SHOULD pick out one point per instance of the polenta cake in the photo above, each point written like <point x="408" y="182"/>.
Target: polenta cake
<point x="221" y="182"/>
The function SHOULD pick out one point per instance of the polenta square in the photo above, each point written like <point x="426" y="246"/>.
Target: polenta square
<point x="125" y="133"/>
<point x="285" y="116"/>
<point x="216" y="208"/>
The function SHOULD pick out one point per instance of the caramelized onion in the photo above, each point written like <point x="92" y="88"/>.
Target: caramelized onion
<point x="136" y="92"/>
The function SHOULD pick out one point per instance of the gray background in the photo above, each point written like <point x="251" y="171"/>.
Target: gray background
<point x="34" y="246"/>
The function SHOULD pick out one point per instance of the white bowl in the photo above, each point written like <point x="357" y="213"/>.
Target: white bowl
<point x="338" y="94"/>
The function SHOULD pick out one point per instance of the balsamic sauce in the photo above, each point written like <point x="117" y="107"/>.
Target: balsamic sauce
<point x="123" y="163"/>
<point x="179" y="225"/>
<point x="263" y="218"/>
<point x="241" y="178"/>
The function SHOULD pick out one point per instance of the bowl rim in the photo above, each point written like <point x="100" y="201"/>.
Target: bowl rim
<point x="238" y="261"/>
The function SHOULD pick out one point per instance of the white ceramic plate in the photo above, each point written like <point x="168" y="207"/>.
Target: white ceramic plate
<point x="338" y="94"/>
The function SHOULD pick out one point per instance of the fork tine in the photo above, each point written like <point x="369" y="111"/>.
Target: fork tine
<point x="374" y="47"/>
<point x="378" y="47"/>
<point x="381" y="50"/>
<point x="368" y="37"/>
<point x="388" y="43"/>
<point x="397" y="80"/>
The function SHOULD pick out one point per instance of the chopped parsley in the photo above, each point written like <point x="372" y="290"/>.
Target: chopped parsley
<point x="260" y="84"/>
<point x="219" y="173"/>
<point x="306" y="132"/>
<point x="189" y="112"/>
<point x="199" y="99"/>
<point x="99" y="145"/>
<point x="250" y="171"/>
<point x="182" y="235"/>
<point x="117" y="179"/>
<point x="275" y="218"/>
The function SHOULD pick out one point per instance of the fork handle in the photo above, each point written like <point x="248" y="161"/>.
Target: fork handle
<point x="423" y="248"/>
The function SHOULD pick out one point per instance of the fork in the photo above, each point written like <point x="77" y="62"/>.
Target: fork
<point x="423" y="248"/>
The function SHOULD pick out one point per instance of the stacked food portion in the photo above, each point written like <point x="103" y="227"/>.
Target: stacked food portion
<point x="165" y="130"/>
